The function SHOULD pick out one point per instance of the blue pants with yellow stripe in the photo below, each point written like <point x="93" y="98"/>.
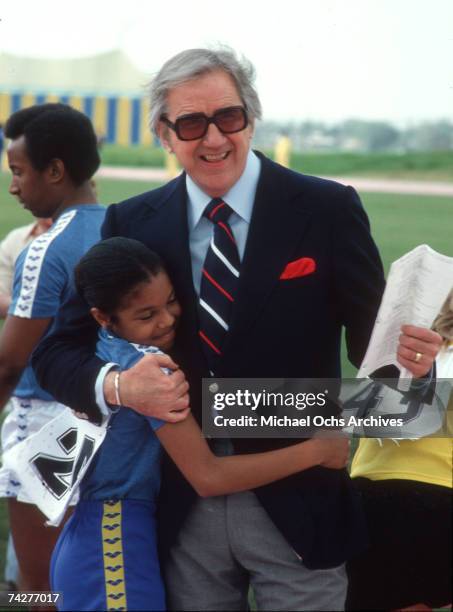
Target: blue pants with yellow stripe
<point x="106" y="558"/>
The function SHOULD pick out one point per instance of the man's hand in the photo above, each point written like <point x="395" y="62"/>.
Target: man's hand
<point x="417" y="349"/>
<point x="149" y="391"/>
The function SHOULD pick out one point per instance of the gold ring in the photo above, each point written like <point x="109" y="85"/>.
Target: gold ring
<point x="418" y="356"/>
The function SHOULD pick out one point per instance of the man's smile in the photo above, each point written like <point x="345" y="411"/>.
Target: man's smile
<point x="213" y="158"/>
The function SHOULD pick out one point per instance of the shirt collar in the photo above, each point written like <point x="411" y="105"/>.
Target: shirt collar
<point x="240" y="197"/>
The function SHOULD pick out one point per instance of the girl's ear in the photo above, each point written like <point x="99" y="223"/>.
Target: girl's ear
<point x="102" y="318"/>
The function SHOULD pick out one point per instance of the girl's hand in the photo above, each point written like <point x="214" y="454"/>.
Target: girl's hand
<point x="333" y="451"/>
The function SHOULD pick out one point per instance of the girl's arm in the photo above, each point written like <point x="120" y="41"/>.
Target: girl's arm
<point x="17" y="341"/>
<point x="211" y="475"/>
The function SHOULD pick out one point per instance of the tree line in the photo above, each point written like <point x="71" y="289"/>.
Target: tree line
<point x="356" y="135"/>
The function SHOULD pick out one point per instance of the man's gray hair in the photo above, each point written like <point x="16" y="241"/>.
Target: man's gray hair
<point x="193" y="63"/>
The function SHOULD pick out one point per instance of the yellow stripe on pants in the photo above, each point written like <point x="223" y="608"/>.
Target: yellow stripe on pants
<point x="112" y="545"/>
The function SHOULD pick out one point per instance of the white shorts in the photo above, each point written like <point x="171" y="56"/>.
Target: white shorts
<point x="25" y="417"/>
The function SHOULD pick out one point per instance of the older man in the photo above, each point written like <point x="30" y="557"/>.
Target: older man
<point x="268" y="265"/>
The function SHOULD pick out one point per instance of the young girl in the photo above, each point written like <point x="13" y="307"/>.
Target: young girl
<point x="109" y="545"/>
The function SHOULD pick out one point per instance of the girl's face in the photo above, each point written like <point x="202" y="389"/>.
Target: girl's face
<point x="149" y="315"/>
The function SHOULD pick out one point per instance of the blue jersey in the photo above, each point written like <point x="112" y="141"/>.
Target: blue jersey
<point x="127" y="464"/>
<point x="44" y="274"/>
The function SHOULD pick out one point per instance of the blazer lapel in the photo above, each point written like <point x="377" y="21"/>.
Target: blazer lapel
<point x="276" y="227"/>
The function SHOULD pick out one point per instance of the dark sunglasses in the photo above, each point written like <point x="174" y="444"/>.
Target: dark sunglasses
<point x="191" y="127"/>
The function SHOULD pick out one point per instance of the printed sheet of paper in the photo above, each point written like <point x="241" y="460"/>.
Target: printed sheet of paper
<point x="417" y="287"/>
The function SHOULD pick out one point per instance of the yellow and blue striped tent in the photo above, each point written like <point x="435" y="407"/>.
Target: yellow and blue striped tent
<point x="116" y="119"/>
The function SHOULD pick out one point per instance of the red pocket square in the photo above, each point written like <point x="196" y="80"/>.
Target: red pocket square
<point x="298" y="267"/>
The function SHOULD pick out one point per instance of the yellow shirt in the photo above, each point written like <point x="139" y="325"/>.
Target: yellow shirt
<point x="426" y="460"/>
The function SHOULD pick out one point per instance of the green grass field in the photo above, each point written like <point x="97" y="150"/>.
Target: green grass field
<point x="399" y="223"/>
<point x="430" y="165"/>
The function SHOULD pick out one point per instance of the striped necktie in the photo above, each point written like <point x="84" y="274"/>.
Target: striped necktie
<point x="219" y="280"/>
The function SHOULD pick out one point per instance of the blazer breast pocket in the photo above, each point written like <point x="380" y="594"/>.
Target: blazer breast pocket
<point x="304" y="266"/>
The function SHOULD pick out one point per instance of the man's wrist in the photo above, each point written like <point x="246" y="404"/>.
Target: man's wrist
<point x="116" y="384"/>
<point x="110" y="392"/>
<point x="104" y="397"/>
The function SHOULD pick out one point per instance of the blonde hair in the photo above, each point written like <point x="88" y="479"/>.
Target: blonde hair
<point x="443" y="323"/>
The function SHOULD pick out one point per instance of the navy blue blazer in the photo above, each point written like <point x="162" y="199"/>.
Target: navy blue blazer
<point x="279" y="328"/>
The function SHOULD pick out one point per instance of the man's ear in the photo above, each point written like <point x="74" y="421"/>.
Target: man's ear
<point x="55" y="170"/>
<point x="102" y="318"/>
<point x="163" y="131"/>
<point x="252" y="128"/>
